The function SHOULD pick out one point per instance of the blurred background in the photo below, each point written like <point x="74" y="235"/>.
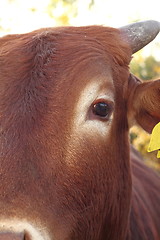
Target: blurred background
<point x="20" y="16"/>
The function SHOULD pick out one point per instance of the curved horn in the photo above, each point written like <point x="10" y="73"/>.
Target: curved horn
<point x="139" y="34"/>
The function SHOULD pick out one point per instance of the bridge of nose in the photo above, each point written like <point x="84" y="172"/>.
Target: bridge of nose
<point x="11" y="236"/>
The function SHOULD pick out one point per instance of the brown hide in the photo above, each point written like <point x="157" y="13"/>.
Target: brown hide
<point x="62" y="178"/>
<point x="145" y="211"/>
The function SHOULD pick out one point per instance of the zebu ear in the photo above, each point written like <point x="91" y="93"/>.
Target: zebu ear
<point x="144" y="103"/>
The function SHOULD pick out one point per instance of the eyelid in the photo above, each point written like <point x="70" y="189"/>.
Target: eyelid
<point x="102" y="99"/>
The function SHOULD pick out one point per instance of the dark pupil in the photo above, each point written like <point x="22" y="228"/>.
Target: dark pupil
<point x="101" y="109"/>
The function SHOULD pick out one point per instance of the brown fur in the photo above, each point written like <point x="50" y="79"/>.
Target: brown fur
<point x="145" y="211"/>
<point x="75" y="193"/>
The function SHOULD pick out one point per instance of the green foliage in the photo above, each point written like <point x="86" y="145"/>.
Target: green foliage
<point x="145" y="68"/>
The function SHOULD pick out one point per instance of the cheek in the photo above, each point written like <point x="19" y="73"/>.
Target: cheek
<point x="86" y="137"/>
<point x="84" y="151"/>
<point x="92" y="128"/>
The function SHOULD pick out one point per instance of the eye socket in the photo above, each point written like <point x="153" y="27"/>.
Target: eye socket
<point x="102" y="109"/>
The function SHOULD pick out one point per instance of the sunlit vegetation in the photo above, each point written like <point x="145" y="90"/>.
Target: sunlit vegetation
<point x="146" y="68"/>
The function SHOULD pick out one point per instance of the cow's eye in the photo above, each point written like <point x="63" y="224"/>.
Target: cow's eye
<point x="102" y="109"/>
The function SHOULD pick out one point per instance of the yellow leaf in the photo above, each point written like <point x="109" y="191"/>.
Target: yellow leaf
<point x="155" y="140"/>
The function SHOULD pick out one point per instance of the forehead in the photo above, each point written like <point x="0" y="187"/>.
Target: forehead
<point x="83" y="54"/>
<point x="90" y="78"/>
<point x="80" y="63"/>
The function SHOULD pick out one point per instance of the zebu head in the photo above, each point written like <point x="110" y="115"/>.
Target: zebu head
<point x="67" y="99"/>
